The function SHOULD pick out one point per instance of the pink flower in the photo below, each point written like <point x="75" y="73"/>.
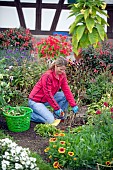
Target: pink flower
<point x="111" y="109"/>
<point x="106" y="104"/>
<point x="98" y="112"/>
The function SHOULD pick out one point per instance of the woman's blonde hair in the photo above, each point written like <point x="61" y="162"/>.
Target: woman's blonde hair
<point x="61" y="61"/>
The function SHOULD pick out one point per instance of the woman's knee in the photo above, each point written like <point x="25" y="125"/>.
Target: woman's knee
<point x="50" y="119"/>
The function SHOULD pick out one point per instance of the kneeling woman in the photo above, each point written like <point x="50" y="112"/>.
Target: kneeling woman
<point x="46" y="93"/>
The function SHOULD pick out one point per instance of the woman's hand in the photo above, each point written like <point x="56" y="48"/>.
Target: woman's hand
<point x="59" y="113"/>
<point x="75" y="109"/>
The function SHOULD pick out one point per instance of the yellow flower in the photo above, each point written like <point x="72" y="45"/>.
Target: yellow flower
<point x="74" y="159"/>
<point x="54" y="146"/>
<point x="56" y="164"/>
<point x="61" y="150"/>
<point x="108" y="163"/>
<point x="46" y="150"/>
<point x="56" y="134"/>
<point x="52" y="139"/>
<point x="62" y="142"/>
<point x="70" y="153"/>
<point x="82" y="11"/>
<point x="61" y="134"/>
<point x="103" y="6"/>
<point x="76" y="5"/>
<point x="50" y="156"/>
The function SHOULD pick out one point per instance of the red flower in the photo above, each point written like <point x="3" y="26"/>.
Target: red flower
<point x="106" y="104"/>
<point x="111" y="109"/>
<point x="98" y="112"/>
<point x="56" y="164"/>
<point x="54" y="47"/>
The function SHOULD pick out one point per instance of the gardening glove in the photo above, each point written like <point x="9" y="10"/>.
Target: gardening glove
<point x="75" y="109"/>
<point x="59" y="113"/>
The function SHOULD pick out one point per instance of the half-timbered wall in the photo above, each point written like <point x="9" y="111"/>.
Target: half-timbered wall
<point x="47" y="16"/>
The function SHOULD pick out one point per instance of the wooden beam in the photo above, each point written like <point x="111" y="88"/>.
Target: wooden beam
<point x="110" y="21"/>
<point x="57" y="15"/>
<point x="38" y="15"/>
<point x="20" y="13"/>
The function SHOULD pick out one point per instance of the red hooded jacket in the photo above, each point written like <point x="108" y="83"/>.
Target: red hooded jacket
<point x="47" y="86"/>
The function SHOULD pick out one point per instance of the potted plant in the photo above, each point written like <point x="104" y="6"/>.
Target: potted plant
<point x="17" y="118"/>
<point x="54" y="46"/>
<point x="88" y="26"/>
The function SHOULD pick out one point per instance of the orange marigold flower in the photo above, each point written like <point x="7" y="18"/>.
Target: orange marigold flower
<point x="52" y="139"/>
<point x="46" y="150"/>
<point x="62" y="142"/>
<point x="56" y="134"/>
<point x="56" y="164"/>
<point x="74" y="159"/>
<point x="61" y="150"/>
<point x="61" y="134"/>
<point x="108" y="162"/>
<point x="70" y="153"/>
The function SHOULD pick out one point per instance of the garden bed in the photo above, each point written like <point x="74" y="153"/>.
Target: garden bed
<point x="35" y="142"/>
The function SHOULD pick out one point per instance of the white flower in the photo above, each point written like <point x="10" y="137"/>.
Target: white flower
<point x="10" y="67"/>
<point x="18" y="166"/>
<point x="14" y="153"/>
<point x="4" y="164"/>
<point x="18" y="149"/>
<point x="32" y="165"/>
<point x="28" y="162"/>
<point x="33" y="159"/>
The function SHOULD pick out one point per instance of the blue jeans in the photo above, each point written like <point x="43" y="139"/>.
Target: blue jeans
<point x="42" y="114"/>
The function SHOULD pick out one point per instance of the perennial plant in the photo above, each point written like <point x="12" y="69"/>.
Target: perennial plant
<point x="53" y="47"/>
<point x="14" y="157"/>
<point x="16" y="38"/>
<point x="84" y="146"/>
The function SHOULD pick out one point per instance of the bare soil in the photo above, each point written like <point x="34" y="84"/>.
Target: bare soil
<point x="35" y="142"/>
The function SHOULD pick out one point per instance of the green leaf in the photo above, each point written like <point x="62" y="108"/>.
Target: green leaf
<point x="86" y="13"/>
<point x="80" y="31"/>
<point x="90" y="24"/>
<point x="79" y="18"/>
<point x="84" y="41"/>
<point x="101" y="31"/>
<point x="75" y="44"/>
<point x="98" y="19"/>
<point x="72" y="28"/>
<point x="93" y="37"/>
<point x="103" y="22"/>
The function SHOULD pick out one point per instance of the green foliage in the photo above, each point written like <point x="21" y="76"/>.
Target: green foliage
<point x="98" y="86"/>
<point x="16" y="38"/>
<point x="88" y="26"/>
<point x="14" y="111"/>
<point x="86" y="85"/>
<point x="106" y="98"/>
<point x="5" y="90"/>
<point x="18" y="79"/>
<point x="84" y="146"/>
<point x="45" y="130"/>
<point x="100" y="58"/>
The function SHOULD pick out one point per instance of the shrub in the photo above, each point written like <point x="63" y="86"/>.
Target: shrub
<point x="100" y="58"/>
<point x="16" y="38"/>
